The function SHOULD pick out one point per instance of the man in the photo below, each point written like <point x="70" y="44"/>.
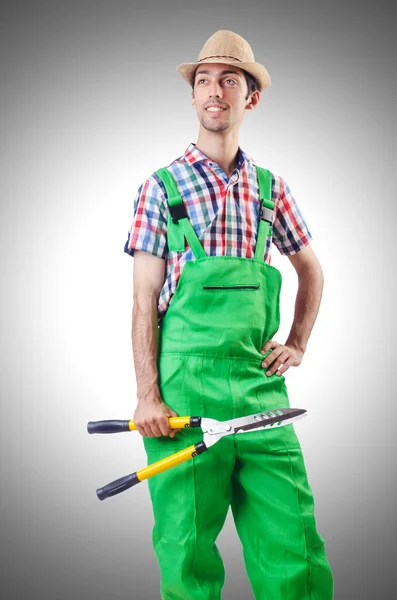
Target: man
<point x="206" y="308"/>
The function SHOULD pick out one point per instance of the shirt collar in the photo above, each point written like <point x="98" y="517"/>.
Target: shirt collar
<point x="194" y="155"/>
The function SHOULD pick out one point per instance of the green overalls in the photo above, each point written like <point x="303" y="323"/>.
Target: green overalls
<point x="209" y="363"/>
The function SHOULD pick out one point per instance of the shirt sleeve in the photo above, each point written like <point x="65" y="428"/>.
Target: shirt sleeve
<point x="290" y="231"/>
<point x="149" y="226"/>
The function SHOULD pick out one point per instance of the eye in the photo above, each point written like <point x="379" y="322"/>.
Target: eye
<point x="199" y="80"/>
<point x="232" y="80"/>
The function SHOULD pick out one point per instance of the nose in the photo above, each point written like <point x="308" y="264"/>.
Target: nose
<point x="215" y="89"/>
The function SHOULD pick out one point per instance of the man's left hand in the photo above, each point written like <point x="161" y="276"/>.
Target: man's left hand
<point x="287" y="356"/>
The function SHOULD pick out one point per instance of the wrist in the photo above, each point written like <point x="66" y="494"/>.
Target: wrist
<point x="300" y="346"/>
<point x="149" y="394"/>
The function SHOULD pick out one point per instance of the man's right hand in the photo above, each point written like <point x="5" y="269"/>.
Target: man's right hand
<point x="151" y="415"/>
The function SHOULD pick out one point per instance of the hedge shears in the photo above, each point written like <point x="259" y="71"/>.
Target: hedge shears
<point x="213" y="431"/>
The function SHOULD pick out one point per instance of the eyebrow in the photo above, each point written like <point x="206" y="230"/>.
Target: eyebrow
<point x="221" y="73"/>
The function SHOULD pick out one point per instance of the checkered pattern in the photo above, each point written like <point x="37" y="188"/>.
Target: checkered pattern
<point x="224" y="214"/>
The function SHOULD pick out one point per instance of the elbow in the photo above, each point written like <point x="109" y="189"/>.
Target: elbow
<point x="313" y="271"/>
<point x="144" y="301"/>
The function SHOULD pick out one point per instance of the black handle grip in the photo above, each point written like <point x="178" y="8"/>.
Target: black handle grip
<point x="107" y="426"/>
<point x="118" y="486"/>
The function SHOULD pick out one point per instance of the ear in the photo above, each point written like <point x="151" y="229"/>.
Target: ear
<point x="193" y="100"/>
<point x="254" y="100"/>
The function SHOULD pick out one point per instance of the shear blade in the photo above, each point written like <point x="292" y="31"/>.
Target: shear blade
<point x="271" y="418"/>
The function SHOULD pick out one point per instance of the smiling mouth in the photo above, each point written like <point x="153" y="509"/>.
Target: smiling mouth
<point x="215" y="112"/>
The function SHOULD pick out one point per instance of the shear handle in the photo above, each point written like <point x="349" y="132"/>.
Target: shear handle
<point x="124" y="483"/>
<point x="118" y="426"/>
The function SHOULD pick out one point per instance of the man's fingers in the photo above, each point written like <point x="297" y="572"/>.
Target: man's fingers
<point x="158" y="426"/>
<point x="149" y="429"/>
<point x="270" y="345"/>
<point x="149" y="432"/>
<point x="282" y="356"/>
<point x="272" y="356"/>
<point x="286" y="365"/>
<point x="171" y="432"/>
<point x="164" y="426"/>
<point x="156" y="423"/>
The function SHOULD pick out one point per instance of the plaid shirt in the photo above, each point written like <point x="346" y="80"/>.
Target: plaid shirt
<point x="224" y="214"/>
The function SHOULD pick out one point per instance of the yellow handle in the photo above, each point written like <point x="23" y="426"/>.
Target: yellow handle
<point x="167" y="463"/>
<point x="175" y="423"/>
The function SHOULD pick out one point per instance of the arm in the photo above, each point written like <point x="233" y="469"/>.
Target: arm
<point x="308" y="298"/>
<point x="151" y="414"/>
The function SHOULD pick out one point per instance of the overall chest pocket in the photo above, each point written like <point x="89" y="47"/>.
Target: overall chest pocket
<point x="231" y="287"/>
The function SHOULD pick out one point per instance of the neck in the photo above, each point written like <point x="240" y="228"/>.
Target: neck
<point x="221" y="147"/>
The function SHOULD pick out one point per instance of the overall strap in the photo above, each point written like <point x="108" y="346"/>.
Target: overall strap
<point x="178" y="225"/>
<point x="266" y="213"/>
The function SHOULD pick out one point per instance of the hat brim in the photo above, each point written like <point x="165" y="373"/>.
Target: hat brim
<point x="255" y="69"/>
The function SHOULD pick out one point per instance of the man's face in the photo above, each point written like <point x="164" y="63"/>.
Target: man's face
<point x="219" y="96"/>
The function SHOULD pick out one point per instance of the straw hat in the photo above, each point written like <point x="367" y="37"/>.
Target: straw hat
<point x="229" y="48"/>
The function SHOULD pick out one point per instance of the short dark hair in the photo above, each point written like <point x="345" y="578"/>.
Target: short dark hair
<point x="252" y="83"/>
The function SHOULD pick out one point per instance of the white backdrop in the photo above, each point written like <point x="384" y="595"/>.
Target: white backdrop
<point x="91" y="106"/>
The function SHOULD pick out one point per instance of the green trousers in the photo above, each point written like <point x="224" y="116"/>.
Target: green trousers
<point x="223" y="311"/>
<point x="260" y="475"/>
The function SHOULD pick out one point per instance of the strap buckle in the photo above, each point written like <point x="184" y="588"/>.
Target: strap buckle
<point x="178" y="211"/>
<point x="266" y="214"/>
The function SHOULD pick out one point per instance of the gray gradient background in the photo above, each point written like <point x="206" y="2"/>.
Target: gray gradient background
<point x="91" y="104"/>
